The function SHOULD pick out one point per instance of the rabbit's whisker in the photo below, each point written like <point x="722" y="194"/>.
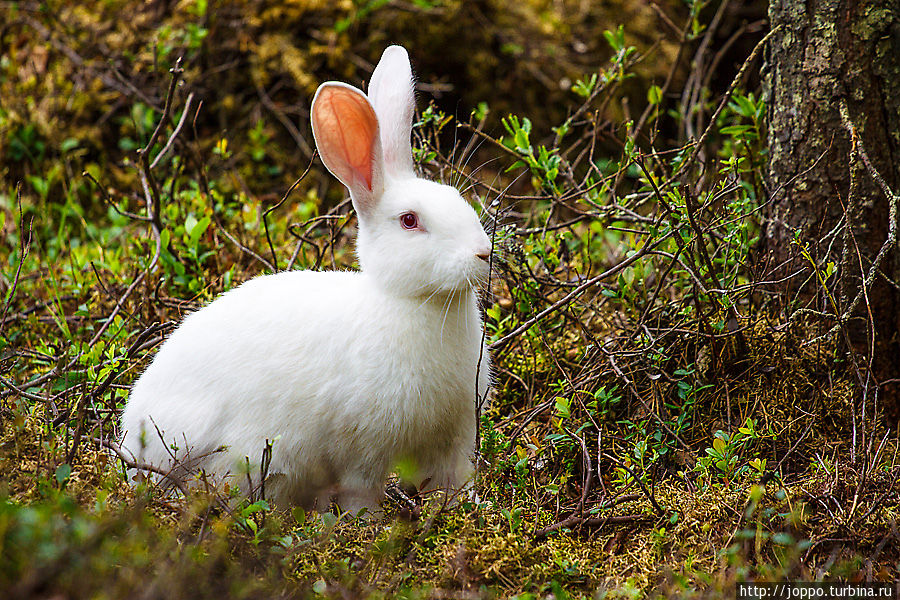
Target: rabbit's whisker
<point x="469" y="151"/>
<point x="446" y="311"/>
<point x="455" y="146"/>
<point x="430" y="296"/>
<point x="444" y="308"/>
<point x="427" y="284"/>
<point x="458" y="306"/>
<point x="467" y="310"/>
<point x="471" y="176"/>
<point x="462" y="168"/>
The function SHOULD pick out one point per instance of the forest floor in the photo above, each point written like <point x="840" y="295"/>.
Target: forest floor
<point x="667" y="419"/>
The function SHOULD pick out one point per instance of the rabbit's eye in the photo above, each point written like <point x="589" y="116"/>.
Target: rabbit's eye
<point x="409" y="220"/>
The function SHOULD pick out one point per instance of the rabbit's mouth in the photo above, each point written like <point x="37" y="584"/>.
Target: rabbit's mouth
<point x="473" y="274"/>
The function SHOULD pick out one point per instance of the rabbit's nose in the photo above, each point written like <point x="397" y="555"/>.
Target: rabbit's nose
<point x="484" y="255"/>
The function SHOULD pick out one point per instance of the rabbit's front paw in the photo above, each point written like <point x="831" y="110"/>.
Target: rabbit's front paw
<point x="353" y="499"/>
<point x="453" y="481"/>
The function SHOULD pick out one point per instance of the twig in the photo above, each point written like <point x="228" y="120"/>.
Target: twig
<point x="280" y="202"/>
<point x="168" y="146"/>
<point x="131" y="463"/>
<point x="154" y="198"/>
<point x="581" y="519"/>
<point x="659" y="510"/>
<point x="889" y="243"/>
<point x="712" y="121"/>
<point x="580" y="289"/>
<point x="12" y="386"/>
<point x="109" y="202"/>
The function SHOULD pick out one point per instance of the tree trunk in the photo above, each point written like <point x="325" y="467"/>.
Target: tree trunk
<point x="825" y="54"/>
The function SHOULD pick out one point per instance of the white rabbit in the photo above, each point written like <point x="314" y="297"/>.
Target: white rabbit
<point x="349" y="373"/>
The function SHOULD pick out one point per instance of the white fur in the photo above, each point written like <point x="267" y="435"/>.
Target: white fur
<point x="349" y="372"/>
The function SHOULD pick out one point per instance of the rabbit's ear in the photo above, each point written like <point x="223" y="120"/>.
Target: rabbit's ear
<point x="345" y="128"/>
<point x="393" y="96"/>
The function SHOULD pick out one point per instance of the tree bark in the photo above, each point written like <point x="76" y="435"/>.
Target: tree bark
<point x="826" y="53"/>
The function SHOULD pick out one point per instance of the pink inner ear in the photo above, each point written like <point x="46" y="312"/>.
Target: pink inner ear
<point x="347" y="126"/>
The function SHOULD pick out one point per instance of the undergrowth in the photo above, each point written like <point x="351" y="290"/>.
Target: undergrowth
<point x="661" y="423"/>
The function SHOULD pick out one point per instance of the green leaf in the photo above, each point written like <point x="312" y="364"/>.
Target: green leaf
<point x="783" y="539"/>
<point x="40" y="185"/>
<point x="585" y="88"/>
<point x="481" y="111"/>
<point x="612" y="39"/>
<point x="189" y="223"/>
<point x="198" y="230"/>
<point x="747" y="109"/>
<point x="62" y="473"/>
<point x="407" y="468"/>
<point x="511" y="124"/>
<point x="299" y="515"/>
<point x="563" y="407"/>
<point x="654" y="94"/>
<point x="522" y="142"/>
<point x="735" y="129"/>
<point x="719" y="445"/>
<point x="512" y="49"/>
<point x="342" y="25"/>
